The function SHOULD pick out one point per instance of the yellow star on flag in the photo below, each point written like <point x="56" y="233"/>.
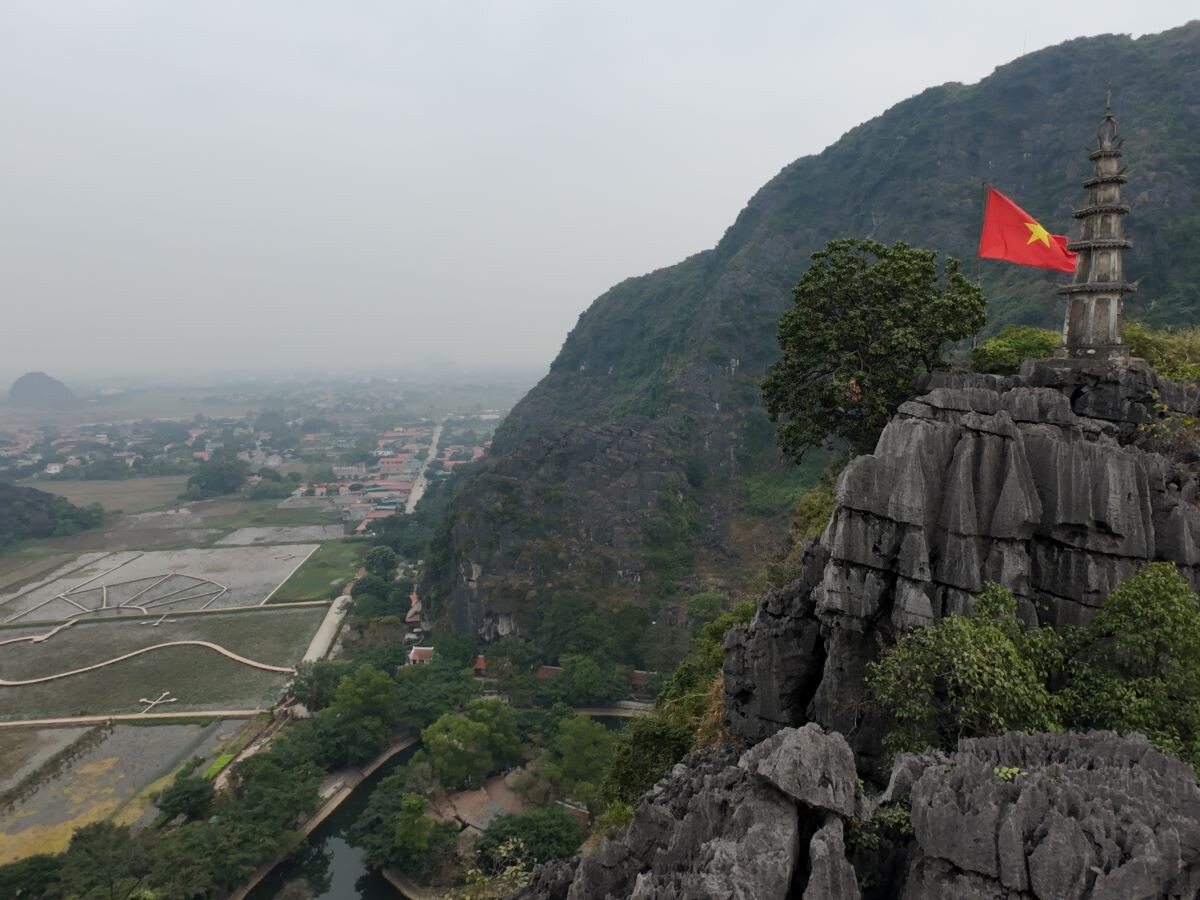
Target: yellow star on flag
<point x="1037" y="233"/>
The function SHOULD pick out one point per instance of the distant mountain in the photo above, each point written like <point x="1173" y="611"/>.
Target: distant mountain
<point x="642" y="467"/>
<point x="30" y="513"/>
<point x="37" y="390"/>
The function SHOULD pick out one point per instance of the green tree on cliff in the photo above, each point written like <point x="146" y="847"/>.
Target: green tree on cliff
<point x="867" y="319"/>
<point x="1136" y="667"/>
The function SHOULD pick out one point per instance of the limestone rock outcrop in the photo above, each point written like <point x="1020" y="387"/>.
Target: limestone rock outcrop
<point x="1035" y="481"/>
<point x="1042" y="482"/>
<point x="1017" y="817"/>
<point x="1055" y="815"/>
<point x="717" y="827"/>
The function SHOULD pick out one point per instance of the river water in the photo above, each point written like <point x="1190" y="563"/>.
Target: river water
<point x="332" y="868"/>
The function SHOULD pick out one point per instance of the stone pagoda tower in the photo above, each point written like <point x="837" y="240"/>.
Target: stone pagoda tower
<point x="1092" y="329"/>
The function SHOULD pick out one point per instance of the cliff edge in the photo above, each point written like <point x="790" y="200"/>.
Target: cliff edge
<point x="1049" y="483"/>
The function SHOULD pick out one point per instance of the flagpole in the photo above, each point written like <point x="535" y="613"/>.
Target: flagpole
<point x="978" y="259"/>
<point x="983" y="198"/>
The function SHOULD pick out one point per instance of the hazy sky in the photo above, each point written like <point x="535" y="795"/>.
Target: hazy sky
<point x="195" y="185"/>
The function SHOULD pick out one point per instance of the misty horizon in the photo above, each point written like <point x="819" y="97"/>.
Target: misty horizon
<point x="227" y="190"/>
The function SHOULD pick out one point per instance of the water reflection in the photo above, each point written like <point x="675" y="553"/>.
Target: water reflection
<point x="328" y="867"/>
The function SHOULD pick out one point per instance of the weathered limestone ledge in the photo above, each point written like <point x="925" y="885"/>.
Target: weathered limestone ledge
<point x="1031" y="481"/>
<point x="1087" y="816"/>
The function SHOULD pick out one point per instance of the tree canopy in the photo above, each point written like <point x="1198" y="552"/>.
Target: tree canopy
<point x="544" y="834"/>
<point x="464" y="748"/>
<point x="867" y="318"/>
<point x="220" y="475"/>
<point x="1136" y="667"/>
<point x="189" y="795"/>
<point x="381" y="562"/>
<point x="394" y="831"/>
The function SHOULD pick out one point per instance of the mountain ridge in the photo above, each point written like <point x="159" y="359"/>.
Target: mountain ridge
<point x="681" y="350"/>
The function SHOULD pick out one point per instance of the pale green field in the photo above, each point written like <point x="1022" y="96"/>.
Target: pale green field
<point x="333" y="561"/>
<point x="201" y="678"/>
<point x="131" y="495"/>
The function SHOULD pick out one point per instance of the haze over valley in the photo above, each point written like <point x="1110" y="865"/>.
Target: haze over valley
<point x="560" y="451"/>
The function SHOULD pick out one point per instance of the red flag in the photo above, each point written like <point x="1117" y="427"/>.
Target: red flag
<point x="1011" y="234"/>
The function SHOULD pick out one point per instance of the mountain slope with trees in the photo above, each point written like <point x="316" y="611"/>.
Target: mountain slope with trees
<point x="30" y="513"/>
<point x="643" y="468"/>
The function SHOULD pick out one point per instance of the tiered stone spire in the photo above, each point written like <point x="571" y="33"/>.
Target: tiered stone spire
<point x="1092" y="329"/>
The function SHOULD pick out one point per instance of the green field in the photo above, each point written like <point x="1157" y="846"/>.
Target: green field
<point x="130" y="495"/>
<point x="274" y="635"/>
<point x="201" y="678"/>
<point x="333" y="561"/>
<point x="266" y="512"/>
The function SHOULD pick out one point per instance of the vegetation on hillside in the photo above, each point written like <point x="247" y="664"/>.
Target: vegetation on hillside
<point x="30" y="513"/>
<point x="678" y="354"/>
<point x="1174" y="352"/>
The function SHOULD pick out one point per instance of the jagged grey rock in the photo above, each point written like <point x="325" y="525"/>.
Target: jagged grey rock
<point x="808" y="764"/>
<point x="1092" y="816"/>
<point x="831" y="877"/>
<point x="1031" y="481"/>
<point x="706" y="831"/>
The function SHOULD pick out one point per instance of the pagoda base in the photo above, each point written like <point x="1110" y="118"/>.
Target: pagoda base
<point x="1093" y="352"/>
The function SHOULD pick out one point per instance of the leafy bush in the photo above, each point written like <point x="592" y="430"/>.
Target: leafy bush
<point x="646" y="749"/>
<point x="545" y="834"/>
<point x="1004" y="353"/>
<point x="967" y="676"/>
<point x="1135" y="667"/>
<point x="1174" y="353"/>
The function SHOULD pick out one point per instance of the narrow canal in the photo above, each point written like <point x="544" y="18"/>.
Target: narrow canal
<point x="327" y="867"/>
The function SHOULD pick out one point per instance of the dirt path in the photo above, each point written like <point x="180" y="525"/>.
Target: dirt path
<point x="422" y="482"/>
<point x="628" y="709"/>
<point x="136" y="717"/>
<point x="319" y="646"/>
<point x="100" y="665"/>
